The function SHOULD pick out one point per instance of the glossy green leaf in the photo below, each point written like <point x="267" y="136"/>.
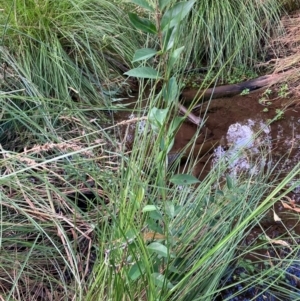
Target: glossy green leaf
<point x="170" y="90"/>
<point x="184" y="179"/>
<point x="157" y="117"/>
<point x="161" y="115"/>
<point x="229" y="182"/>
<point x="219" y="192"/>
<point x="136" y="271"/>
<point x="163" y="3"/>
<point x="170" y="209"/>
<point x="175" y="123"/>
<point x="176" y="14"/>
<point x="162" y="145"/>
<point x="144" y="4"/>
<point x="153" y="225"/>
<point x="173" y="269"/>
<point x="144" y="25"/>
<point x="148" y="208"/>
<point x="168" y="39"/>
<point x="158" y="248"/>
<point x="161" y="282"/>
<point x="170" y="145"/>
<point x="178" y="208"/>
<point x="173" y="36"/>
<point x="144" y="54"/>
<point x="175" y="56"/>
<point x="130" y="233"/>
<point x="143" y="72"/>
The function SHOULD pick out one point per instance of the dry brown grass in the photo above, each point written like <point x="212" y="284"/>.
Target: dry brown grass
<point x="286" y="51"/>
<point x="51" y="201"/>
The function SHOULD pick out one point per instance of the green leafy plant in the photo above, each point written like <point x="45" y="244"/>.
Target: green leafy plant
<point x="245" y="92"/>
<point x="166" y="27"/>
<point x="283" y="91"/>
<point x="240" y="74"/>
<point x="167" y="22"/>
<point x="264" y="99"/>
<point x="279" y="114"/>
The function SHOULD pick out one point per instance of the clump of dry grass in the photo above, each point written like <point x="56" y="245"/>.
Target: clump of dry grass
<point x="49" y="208"/>
<point x="53" y="204"/>
<point x="52" y="208"/>
<point x="286" y="50"/>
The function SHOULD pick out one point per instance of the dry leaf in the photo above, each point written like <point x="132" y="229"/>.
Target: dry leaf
<point x="286" y="206"/>
<point x="278" y="242"/>
<point x="276" y="217"/>
<point x="153" y="236"/>
<point x="293" y="203"/>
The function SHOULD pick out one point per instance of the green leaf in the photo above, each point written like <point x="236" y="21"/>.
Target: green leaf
<point x="163" y="3"/>
<point x="162" y="145"/>
<point x="136" y="271"/>
<point x="170" y="90"/>
<point x="178" y="208"/>
<point x="171" y="41"/>
<point x="184" y="179"/>
<point x="144" y="54"/>
<point x="161" y="115"/>
<point x="175" y="56"/>
<point x="144" y="25"/>
<point x="158" y="248"/>
<point x="176" y="122"/>
<point x="173" y="269"/>
<point x="130" y="233"/>
<point x="148" y="208"/>
<point x="155" y="215"/>
<point x="170" y="144"/>
<point x="161" y="281"/>
<point x="143" y="72"/>
<point x="219" y="192"/>
<point x="140" y="194"/>
<point x="153" y="225"/>
<point x="229" y="182"/>
<point x="157" y="117"/>
<point x="144" y="4"/>
<point x="170" y="209"/>
<point x="176" y="14"/>
<point x="168" y="39"/>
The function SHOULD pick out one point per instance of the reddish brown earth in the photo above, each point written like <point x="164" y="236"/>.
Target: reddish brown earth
<point x="221" y="113"/>
<point x="282" y="140"/>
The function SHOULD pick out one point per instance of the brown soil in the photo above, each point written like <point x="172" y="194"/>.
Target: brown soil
<point x="223" y="112"/>
<point x="282" y="141"/>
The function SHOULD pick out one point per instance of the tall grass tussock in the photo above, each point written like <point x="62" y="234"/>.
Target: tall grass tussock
<point x="85" y="218"/>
